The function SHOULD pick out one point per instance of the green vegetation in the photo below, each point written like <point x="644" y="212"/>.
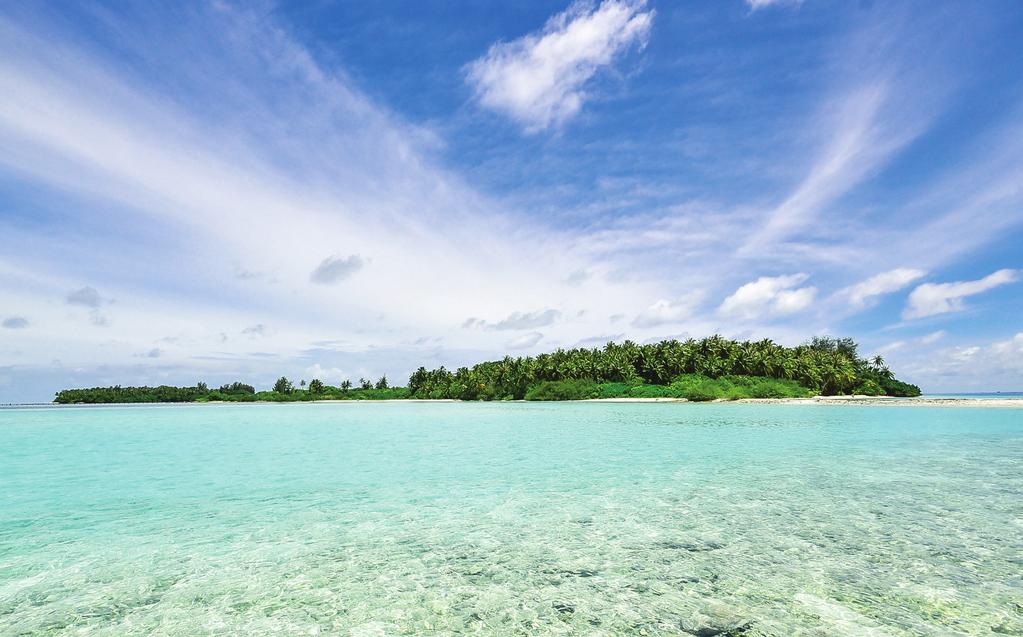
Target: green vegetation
<point x="694" y="387"/>
<point x="708" y="369"/>
<point x="703" y="369"/>
<point x="283" y="391"/>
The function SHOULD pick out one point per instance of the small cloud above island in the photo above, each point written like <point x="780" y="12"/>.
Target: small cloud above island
<point x="666" y="312"/>
<point x="862" y="293"/>
<point x="335" y="268"/>
<point x="525" y="341"/>
<point x="930" y="299"/>
<point x="15" y="323"/>
<point x="516" y="321"/>
<point x="769" y="296"/>
<point x="85" y="297"/>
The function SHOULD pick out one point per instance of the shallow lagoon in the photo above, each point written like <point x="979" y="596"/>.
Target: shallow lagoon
<point x="511" y="519"/>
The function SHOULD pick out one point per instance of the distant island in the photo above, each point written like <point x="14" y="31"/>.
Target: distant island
<point x="712" y="368"/>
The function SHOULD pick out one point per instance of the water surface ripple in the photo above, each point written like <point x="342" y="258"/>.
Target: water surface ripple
<point x="511" y="519"/>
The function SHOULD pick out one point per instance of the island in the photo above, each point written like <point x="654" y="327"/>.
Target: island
<point x="713" y="368"/>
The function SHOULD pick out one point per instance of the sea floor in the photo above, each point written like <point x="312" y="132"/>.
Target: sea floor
<point x="558" y="519"/>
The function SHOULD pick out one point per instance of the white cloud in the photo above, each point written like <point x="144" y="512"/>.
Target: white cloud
<point x="87" y="296"/>
<point x="930" y="299"/>
<point x="255" y="330"/>
<point x="525" y="320"/>
<point x="539" y="79"/>
<point x="329" y="375"/>
<point x="15" y="323"/>
<point x="665" y="312"/>
<point x="769" y="296"/>
<point x="335" y="268"/>
<point x="933" y="337"/>
<point x="891" y="347"/>
<point x="525" y="341"/>
<point x="1010" y="350"/>
<point x="883" y="283"/>
<point x="760" y="4"/>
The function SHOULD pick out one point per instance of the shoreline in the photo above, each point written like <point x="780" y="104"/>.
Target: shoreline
<point x="859" y="401"/>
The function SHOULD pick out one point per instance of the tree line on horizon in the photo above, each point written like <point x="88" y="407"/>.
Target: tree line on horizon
<point x="283" y="391"/>
<point x="824" y="365"/>
<point x="713" y="367"/>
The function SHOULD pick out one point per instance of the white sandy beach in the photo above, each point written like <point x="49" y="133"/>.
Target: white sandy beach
<point x="922" y="401"/>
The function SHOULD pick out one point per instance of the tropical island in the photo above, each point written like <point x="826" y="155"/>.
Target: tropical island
<point x="712" y="368"/>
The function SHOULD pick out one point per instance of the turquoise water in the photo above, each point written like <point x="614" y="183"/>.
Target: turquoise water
<point x="514" y="519"/>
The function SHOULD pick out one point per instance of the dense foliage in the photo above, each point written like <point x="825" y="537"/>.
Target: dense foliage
<point x="118" y="394"/>
<point x="695" y="387"/>
<point x="827" y="366"/>
<point x="284" y="391"/>
<point x="707" y="369"/>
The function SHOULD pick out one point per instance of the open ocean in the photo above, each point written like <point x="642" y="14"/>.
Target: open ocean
<point x="511" y="519"/>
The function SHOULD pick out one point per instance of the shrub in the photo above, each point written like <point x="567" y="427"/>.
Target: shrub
<point x="613" y="390"/>
<point x="701" y="391"/>
<point x="894" y="387"/>
<point x="869" y="388"/>
<point x="573" y="389"/>
<point x="653" y="391"/>
<point x="697" y="387"/>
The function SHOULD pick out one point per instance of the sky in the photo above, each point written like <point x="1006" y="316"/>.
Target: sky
<point x="332" y="190"/>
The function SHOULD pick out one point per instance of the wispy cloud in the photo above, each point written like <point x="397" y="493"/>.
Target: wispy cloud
<point x="525" y="341"/>
<point x="930" y="299"/>
<point x="669" y="312"/>
<point x="539" y="79"/>
<point x="517" y="320"/>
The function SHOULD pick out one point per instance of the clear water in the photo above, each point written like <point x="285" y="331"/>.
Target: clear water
<point x="515" y="519"/>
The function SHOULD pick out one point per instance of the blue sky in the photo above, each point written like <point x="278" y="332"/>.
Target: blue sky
<point x="235" y="191"/>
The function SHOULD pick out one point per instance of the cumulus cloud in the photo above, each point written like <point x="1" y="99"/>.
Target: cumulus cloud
<point x="525" y="341"/>
<point x="930" y="299"/>
<point x="86" y="297"/>
<point x="666" y="312"/>
<point x="335" y="268"/>
<point x="883" y="283"/>
<point x="15" y="322"/>
<point x="517" y="321"/>
<point x="330" y="375"/>
<point x="768" y="296"/>
<point x="539" y="79"/>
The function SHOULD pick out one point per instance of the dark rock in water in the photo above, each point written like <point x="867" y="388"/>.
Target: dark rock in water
<point x="475" y="617"/>
<point x="735" y="629"/>
<point x="692" y="547"/>
<point x="562" y="607"/>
